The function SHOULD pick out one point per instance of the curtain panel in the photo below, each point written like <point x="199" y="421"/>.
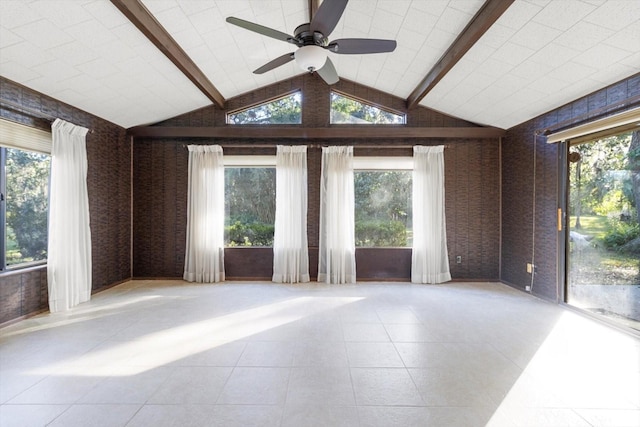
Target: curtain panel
<point x="429" y="258"/>
<point x="336" y="257"/>
<point x="204" y="257"/>
<point x="69" y="244"/>
<point x="290" y="249"/>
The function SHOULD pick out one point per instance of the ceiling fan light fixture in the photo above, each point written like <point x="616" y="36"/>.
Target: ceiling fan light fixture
<point x="313" y="44"/>
<point x="311" y="58"/>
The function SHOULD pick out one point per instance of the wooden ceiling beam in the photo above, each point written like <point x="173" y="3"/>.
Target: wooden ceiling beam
<point x="488" y="14"/>
<point x="142" y="18"/>
<point x="338" y="132"/>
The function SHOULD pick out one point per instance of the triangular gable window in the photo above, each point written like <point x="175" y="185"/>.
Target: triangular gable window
<point x="345" y="109"/>
<point x="280" y="111"/>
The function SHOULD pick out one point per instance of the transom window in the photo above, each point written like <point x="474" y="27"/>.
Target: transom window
<point x="345" y="109"/>
<point x="283" y="110"/>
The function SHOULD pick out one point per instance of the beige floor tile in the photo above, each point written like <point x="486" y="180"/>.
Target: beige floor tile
<point x="96" y="416"/>
<point x="192" y="385"/>
<point x="327" y="385"/>
<point x="168" y="353"/>
<point x="320" y="353"/>
<point x="246" y="416"/>
<point x="173" y="416"/>
<point x="385" y="387"/>
<point x="373" y="355"/>
<point x="450" y="387"/>
<point x="319" y="415"/>
<point x="256" y="386"/>
<point x="268" y="353"/>
<point x="611" y="417"/>
<point x="365" y="332"/>
<point x="392" y="416"/>
<point x="128" y="389"/>
<point x="29" y="415"/>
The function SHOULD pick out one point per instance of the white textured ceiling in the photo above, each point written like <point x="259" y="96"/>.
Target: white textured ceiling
<point x="539" y="55"/>
<point x="87" y="54"/>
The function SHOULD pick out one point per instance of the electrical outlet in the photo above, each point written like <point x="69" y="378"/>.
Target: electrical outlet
<point x="529" y="268"/>
<point x="458" y="259"/>
<point x="527" y="288"/>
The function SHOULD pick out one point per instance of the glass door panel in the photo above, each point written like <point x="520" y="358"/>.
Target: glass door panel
<point x="603" y="274"/>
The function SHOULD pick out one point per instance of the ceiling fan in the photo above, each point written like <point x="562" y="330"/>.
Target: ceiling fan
<point x="313" y="43"/>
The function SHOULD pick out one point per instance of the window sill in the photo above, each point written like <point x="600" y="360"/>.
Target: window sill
<point x="248" y="247"/>
<point x="21" y="270"/>
<point x="383" y="247"/>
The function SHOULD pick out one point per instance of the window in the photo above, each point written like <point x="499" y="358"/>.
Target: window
<point x="24" y="199"/>
<point x="604" y="227"/>
<point x="349" y="110"/>
<point x="382" y="190"/>
<point x="250" y="200"/>
<point x="284" y="110"/>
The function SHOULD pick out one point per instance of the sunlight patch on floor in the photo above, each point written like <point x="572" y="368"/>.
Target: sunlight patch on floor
<point x="579" y="365"/>
<point x="169" y="345"/>
<point x="81" y="313"/>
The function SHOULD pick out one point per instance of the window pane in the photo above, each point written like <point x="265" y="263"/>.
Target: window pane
<point x="348" y="110"/>
<point x="285" y="110"/>
<point x="250" y="205"/>
<point x="27" y="194"/>
<point x="383" y="208"/>
<point x="604" y="230"/>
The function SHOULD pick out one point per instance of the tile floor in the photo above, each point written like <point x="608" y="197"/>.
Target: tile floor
<point x="168" y="353"/>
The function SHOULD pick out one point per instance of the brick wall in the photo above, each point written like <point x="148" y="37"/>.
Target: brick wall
<point x="109" y="188"/>
<point x="472" y="188"/>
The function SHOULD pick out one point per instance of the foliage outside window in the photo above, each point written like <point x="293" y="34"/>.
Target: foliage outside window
<point x="603" y="188"/>
<point x="250" y="206"/>
<point x="285" y="110"/>
<point x="26" y="202"/>
<point x="383" y="208"/>
<point x="349" y="110"/>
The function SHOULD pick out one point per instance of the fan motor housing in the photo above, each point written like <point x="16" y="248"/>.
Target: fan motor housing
<point x="306" y="38"/>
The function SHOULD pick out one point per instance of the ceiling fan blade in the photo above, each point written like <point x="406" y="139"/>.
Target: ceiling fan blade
<point x="358" y="46"/>
<point x="327" y="16"/>
<point x="281" y="60"/>
<point x="260" y="29"/>
<point x="328" y="72"/>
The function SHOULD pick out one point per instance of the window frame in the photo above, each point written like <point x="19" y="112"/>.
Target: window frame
<point x="3" y="210"/>
<point x="18" y="136"/>
<point x="382" y="164"/>
<point x="566" y="249"/>
<point x="3" y="213"/>
<point x="229" y="122"/>
<point x="370" y="104"/>
<point x="244" y="162"/>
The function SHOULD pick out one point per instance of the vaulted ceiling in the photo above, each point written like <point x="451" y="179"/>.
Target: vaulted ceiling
<point x="493" y="62"/>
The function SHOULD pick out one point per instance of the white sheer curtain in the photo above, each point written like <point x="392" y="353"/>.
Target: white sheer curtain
<point x="69" y="251"/>
<point x="429" y="259"/>
<point x="204" y="257"/>
<point x="290" y="251"/>
<point x="336" y="257"/>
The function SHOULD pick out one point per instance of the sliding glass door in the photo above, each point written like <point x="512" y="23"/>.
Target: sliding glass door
<point x="603" y="251"/>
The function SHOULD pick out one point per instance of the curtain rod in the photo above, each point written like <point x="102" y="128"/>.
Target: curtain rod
<point x="31" y="112"/>
<point x="370" y="146"/>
